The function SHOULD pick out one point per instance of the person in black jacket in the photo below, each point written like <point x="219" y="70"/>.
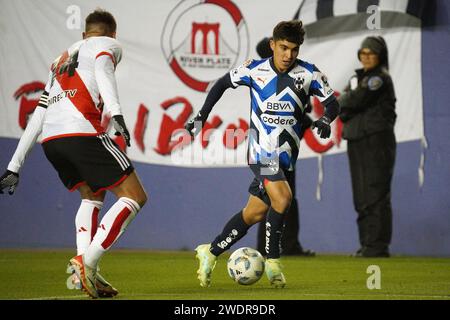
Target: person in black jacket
<point x="290" y="244"/>
<point x="368" y="114"/>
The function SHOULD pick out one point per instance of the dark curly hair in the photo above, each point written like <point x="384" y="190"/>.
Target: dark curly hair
<point x="291" y="31"/>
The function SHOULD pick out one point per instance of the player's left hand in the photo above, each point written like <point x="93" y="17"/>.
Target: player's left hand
<point x="121" y="128"/>
<point x="195" y="125"/>
<point x="323" y="127"/>
<point x="9" y="180"/>
<point x="190" y="127"/>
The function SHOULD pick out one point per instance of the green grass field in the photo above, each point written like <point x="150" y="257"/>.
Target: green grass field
<point x="170" y="275"/>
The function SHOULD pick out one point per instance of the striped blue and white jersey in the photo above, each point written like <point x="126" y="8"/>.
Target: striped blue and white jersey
<point x="278" y="101"/>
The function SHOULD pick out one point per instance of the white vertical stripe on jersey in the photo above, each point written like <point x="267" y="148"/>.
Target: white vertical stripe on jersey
<point x="308" y="13"/>
<point x="344" y="7"/>
<point x="114" y="151"/>
<point x="397" y="5"/>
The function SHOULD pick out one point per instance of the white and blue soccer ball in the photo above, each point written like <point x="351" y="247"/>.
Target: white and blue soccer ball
<point x="245" y="266"/>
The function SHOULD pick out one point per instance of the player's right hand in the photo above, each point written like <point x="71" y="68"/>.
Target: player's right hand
<point x="121" y="128"/>
<point x="9" y="180"/>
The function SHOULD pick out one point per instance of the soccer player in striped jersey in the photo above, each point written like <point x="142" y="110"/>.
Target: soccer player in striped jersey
<point x="81" y="86"/>
<point x="280" y="88"/>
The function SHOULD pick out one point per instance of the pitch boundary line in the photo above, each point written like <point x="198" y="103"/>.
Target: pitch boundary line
<point x="304" y="294"/>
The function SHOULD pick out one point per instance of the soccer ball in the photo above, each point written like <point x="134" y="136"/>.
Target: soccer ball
<point x="245" y="266"/>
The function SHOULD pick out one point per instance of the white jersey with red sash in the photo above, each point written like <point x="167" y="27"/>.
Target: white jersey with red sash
<point x="74" y="103"/>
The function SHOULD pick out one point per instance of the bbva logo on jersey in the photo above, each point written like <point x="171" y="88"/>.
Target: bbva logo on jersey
<point x="285" y="106"/>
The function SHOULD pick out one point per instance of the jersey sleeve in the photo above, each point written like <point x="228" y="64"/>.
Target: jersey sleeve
<point x="240" y="76"/>
<point x="32" y="131"/>
<point x="107" y="85"/>
<point x="320" y="86"/>
<point x="27" y="140"/>
<point x="48" y="85"/>
<point x="108" y="53"/>
<point x="111" y="48"/>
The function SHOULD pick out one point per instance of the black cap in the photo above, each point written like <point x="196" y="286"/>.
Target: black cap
<point x="378" y="46"/>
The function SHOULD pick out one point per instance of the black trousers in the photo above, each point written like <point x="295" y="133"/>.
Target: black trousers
<point x="372" y="160"/>
<point x="289" y="239"/>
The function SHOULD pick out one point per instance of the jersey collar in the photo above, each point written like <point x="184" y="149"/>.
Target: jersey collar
<point x="272" y="65"/>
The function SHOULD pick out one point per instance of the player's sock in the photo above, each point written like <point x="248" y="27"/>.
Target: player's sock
<point x="234" y="230"/>
<point x="86" y="223"/>
<point x="113" y="224"/>
<point x="274" y="229"/>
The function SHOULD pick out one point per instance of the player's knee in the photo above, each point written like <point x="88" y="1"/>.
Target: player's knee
<point x="134" y="192"/>
<point x="282" y="201"/>
<point x="142" y="198"/>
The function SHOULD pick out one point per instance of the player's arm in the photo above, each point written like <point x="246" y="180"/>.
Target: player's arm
<point x="236" y="77"/>
<point x="105" y="65"/>
<point x="213" y="96"/>
<point x="10" y="179"/>
<point x="322" y="90"/>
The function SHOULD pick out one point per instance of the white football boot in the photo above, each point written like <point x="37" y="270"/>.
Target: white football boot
<point x="207" y="262"/>
<point x="274" y="273"/>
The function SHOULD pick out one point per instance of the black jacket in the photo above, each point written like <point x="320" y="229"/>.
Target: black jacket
<point x="370" y="107"/>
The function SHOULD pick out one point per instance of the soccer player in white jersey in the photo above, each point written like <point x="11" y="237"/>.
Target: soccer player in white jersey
<point x="81" y="86"/>
<point x="280" y="88"/>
